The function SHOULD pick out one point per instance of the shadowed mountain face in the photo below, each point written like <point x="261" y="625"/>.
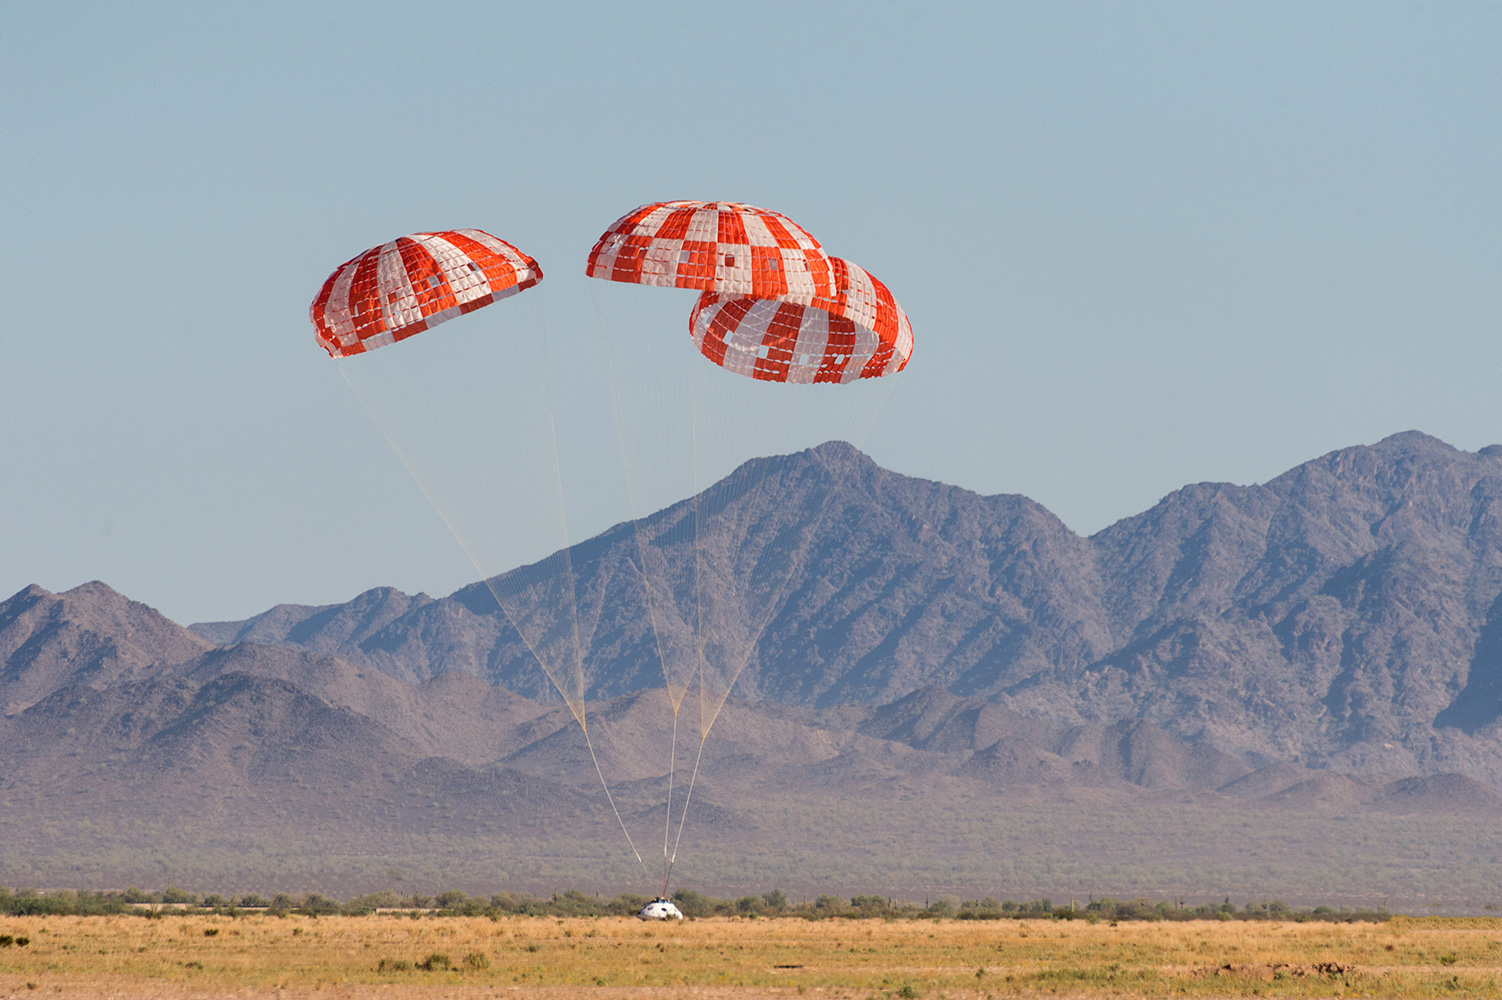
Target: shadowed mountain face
<point x="1345" y="614"/>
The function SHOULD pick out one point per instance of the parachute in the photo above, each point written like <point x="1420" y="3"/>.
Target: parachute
<point x="723" y="246"/>
<point x="395" y="290"/>
<point x="774" y="306"/>
<point x="861" y="333"/>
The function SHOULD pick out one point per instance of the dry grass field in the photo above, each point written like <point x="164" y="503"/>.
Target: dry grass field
<point x="610" y="958"/>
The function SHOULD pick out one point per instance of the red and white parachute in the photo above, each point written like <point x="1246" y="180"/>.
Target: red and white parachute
<point x="412" y="284"/>
<point x="775" y="307"/>
<point x="713" y="246"/>
<point x="862" y="333"/>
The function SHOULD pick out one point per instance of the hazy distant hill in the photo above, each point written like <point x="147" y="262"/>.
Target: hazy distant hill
<point x="256" y="767"/>
<point x="1346" y="613"/>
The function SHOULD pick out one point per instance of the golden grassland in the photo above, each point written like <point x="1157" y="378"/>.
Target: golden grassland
<point x="212" y="955"/>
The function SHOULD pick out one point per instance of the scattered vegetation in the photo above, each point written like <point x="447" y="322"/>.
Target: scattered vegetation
<point x="921" y="958"/>
<point x="452" y="902"/>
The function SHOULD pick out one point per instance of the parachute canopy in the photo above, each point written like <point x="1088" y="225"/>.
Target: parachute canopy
<point x="714" y="246"/>
<point x="860" y="333"/>
<point x="413" y="283"/>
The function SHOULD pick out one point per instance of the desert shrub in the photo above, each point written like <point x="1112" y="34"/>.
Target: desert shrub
<point x="575" y="904"/>
<point x="625" y="905"/>
<point x="692" y="904"/>
<point x="868" y="906"/>
<point x="316" y="903"/>
<point x="980" y="909"/>
<point x="215" y="900"/>
<point x="393" y="965"/>
<point x="211" y="932"/>
<point x="941" y="908"/>
<point x="507" y="902"/>
<point x="172" y="894"/>
<point x="437" y="960"/>
<point x="775" y="900"/>
<point x="476" y="960"/>
<point x="385" y="899"/>
<point x="253" y="901"/>
<point x="63" y="902"/>
<point x="748" y="906"/>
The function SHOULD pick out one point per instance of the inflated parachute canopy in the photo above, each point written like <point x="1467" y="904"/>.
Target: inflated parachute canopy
<point x="714" y="246"/>
<point x="412" y="284"/>
<point x="860" y="333"/>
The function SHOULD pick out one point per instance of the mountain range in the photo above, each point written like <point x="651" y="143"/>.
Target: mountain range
<point x="1345" y="614"/>
<point x="950" y="692"/>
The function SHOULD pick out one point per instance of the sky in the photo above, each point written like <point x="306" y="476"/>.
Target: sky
<point x="1141" y="244"/>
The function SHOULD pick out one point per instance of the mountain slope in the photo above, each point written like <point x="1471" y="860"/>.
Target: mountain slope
<point x="1347" y="613"/>
<point x="87" y="635"/>
<point x="256" y="767"/>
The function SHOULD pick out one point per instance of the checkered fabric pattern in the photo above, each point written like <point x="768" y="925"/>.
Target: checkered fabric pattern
<point x="714" y="246"/>
<point x="414" y="283"/>
<point x="860" y="333"/>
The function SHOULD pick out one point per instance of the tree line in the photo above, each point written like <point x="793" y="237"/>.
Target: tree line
<point x="774" y="904"/>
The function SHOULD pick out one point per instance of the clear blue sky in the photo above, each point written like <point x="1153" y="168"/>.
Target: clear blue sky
<point x="1142" y="244"/>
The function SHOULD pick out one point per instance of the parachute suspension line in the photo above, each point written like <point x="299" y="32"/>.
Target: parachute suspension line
<point x="836" y="488"/>
<point x="611" y="799"/>
<point x="568" y="552"/>
<point x="443" y="515"/>
<point x="568" y="565"/>
<point x="574" y="616"/>
<point x="667" y="825"/>
<point x="629" y="466"/>
<point x="701" y="630"/>
<point x="769" y="442"/>
<point x="679" y="839"/>
<point x="654" y="613"/>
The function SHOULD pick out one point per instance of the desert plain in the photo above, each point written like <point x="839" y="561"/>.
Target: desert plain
<point x="399" y="955"/>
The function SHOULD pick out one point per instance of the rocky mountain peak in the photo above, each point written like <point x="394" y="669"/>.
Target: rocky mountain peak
<point x="1344" y="613"/>
<point x="90" y="634"/>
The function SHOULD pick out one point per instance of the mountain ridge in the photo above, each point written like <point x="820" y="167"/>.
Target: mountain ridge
<point x="1346" y="613"/>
